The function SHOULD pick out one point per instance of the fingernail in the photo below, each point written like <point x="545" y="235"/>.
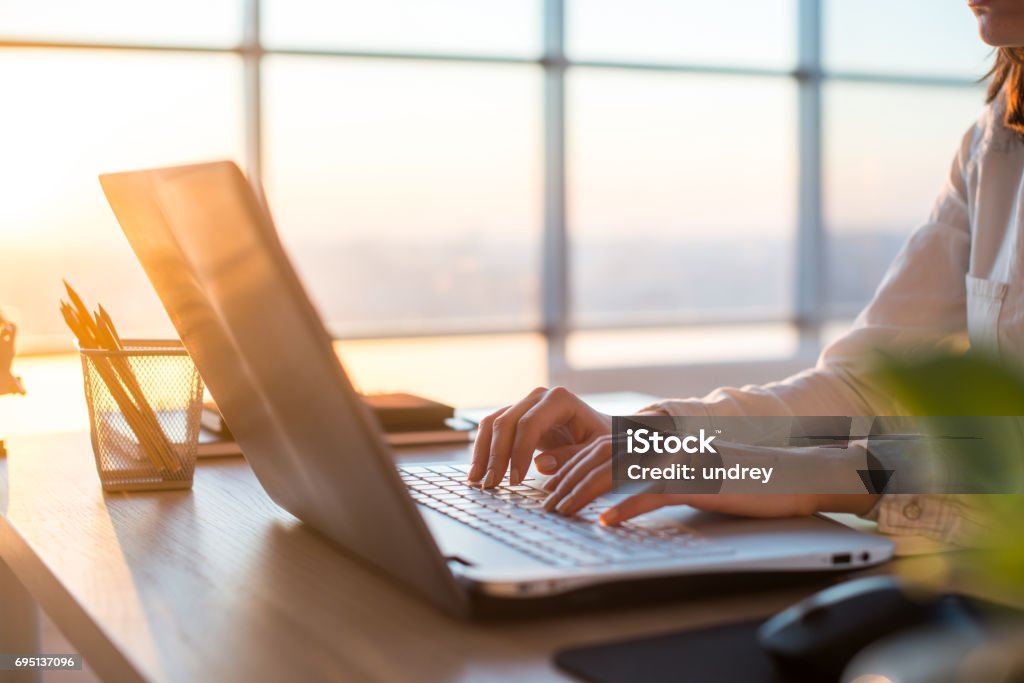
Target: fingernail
<point x="472" y="477"/>
<point x="610" y="517"/>
<point x="563" y="507"/>
<point x="513" y="476"/>
<point x="550" y="502"/>
<point x="546" y="463"/>
<point x="488" y="480"/>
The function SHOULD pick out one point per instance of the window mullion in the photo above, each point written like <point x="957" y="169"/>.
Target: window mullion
<point x="810" y="299"/>
<point x="555" y="301"/>
<point x="252" y="56"/>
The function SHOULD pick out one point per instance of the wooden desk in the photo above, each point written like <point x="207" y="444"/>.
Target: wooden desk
<point x="218" y="584"/>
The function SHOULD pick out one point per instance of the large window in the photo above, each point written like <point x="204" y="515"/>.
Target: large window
<point x="897" y="103"/>
<point x="664" y="178"/>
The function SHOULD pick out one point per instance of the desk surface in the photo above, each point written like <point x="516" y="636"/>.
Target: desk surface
<point x="218" y="583"/>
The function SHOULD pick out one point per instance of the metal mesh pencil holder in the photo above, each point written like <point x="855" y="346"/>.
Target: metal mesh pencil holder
<point x="145" y="402"/>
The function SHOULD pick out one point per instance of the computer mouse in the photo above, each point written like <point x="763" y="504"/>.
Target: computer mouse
<point x="818" y="636"/>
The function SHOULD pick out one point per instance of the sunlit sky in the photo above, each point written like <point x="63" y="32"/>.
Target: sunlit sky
<point x="368" y="149"/>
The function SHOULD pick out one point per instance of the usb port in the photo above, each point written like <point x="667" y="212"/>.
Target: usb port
<point x="842" y="558"/>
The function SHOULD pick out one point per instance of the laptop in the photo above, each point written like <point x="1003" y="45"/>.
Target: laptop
<point x="211" y="251"/>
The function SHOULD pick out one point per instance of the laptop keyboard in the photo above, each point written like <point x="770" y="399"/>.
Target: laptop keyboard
<point x="515" y="516"/>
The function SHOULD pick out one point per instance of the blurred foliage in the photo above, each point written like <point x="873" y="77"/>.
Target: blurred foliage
<point x="964" y="384"/>
<point x="964" y="393"/>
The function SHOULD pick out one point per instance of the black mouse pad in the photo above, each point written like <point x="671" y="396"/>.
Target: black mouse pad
<point x="721" y="654"/>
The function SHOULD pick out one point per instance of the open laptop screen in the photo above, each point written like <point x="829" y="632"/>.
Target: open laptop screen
<point x="210" y="249"/>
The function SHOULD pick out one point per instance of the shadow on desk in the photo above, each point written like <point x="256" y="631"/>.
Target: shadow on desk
<point x="348" y="604"/>
<point x="275" y="600"/>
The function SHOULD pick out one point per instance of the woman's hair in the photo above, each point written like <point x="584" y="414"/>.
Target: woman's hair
<point x="1007" y="77"/>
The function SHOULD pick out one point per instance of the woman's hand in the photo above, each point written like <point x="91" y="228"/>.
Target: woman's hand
<point x="743" y="504"/>
<point x="555" y="421"/>
<point x="581" y="478"/>
<point x="575" y="446"/>
<point x="588" y="474"/>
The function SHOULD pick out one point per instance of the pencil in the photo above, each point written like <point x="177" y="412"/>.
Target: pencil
<point x="123" y="402"/>
<point x="109" y="339"/>
<point x="105" y="335"/>
<point x="140" y="417"/>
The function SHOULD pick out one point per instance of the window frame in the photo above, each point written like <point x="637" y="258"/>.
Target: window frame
<point x="810" y="305"/>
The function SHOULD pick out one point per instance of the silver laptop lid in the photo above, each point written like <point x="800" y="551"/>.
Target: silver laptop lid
<point x="210" y="249"/>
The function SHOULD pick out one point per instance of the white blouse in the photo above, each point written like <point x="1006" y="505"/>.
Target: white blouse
<point x="956" y="282"/>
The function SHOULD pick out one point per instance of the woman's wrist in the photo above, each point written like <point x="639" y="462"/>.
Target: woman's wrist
<point x="855" y="503"/>
<point x="653" y="411"/>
